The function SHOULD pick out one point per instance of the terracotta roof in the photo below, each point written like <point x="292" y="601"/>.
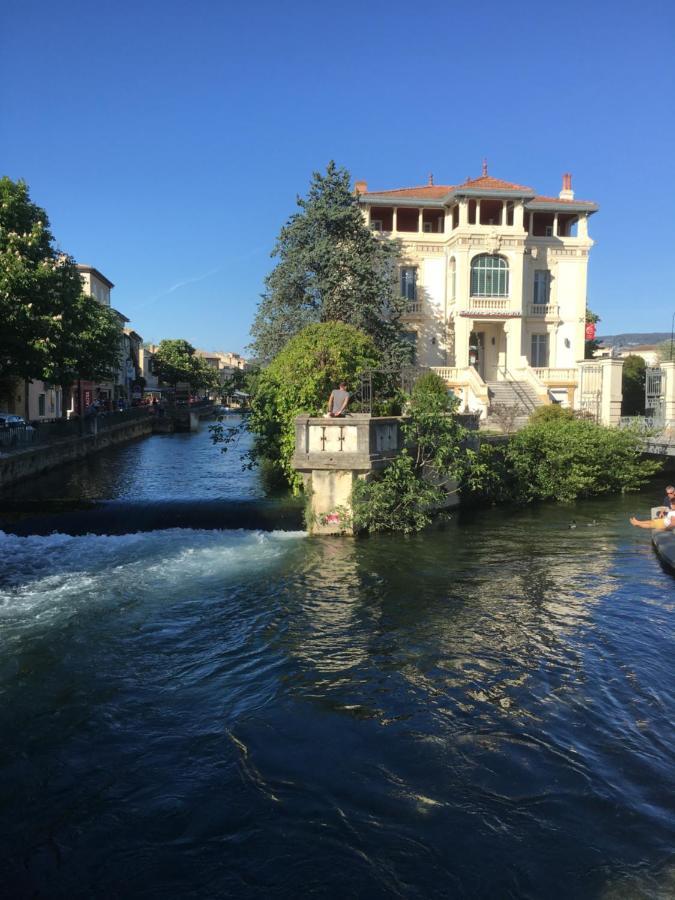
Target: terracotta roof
<point x="488" y="183"/>
<point x="430" y="191"/>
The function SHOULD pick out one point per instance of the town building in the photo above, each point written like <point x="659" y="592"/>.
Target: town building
<point x="494" y="275"/>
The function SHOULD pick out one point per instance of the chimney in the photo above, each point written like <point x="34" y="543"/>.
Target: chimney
<point x="566" y="193"/>
<point x="360" y="187"/>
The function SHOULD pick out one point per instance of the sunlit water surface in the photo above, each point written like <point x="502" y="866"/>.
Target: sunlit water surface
<point x="482" y="711"/>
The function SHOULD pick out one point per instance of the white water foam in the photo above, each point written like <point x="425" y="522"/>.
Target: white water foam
<point x="42" y="577"/>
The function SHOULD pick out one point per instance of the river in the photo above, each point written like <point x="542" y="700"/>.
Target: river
<point x="483" y="710"/>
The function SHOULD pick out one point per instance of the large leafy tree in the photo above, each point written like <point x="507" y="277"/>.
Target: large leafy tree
<point x="29" y="298"/>
<point x="176" y="362"/>
<point x="331" y="268"/>
<point x="50" y="329"/>
<point x="86" y="336"/>
<point x="299" y="380"/>
<point x="633" y="379"/>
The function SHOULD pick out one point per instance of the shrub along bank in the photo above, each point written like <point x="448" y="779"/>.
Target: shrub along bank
<point x="555" y="457"/>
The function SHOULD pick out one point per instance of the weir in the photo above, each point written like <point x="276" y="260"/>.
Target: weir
<point x="332" y="454"/>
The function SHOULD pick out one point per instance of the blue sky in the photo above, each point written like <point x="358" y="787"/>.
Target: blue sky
<point x="168" y="141"/>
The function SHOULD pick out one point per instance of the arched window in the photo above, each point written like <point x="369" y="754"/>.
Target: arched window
<point x="489" y="276"/>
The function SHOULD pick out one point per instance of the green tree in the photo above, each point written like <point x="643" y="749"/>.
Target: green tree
<point x="331" y="268"/>
<point x="29" y="298"/>
<point x="176" y="362"/>
<point x="86" y="336"/>
<point x="633" y="377"/>
<point x="299" y="380"/>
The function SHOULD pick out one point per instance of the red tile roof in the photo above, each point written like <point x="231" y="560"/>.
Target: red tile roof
<point x="428" y="191"/>
<point x="488" y="183"/>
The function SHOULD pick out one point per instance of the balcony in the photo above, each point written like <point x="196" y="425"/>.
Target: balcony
<point x="413" y="308"/>
<point x="543" y="310"/>
<point x="489" y="304"/>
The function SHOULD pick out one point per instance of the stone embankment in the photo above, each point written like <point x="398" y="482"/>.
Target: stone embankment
<point x="56" y="450"/>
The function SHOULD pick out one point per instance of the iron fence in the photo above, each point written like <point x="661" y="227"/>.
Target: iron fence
<point x="20" y="437"/>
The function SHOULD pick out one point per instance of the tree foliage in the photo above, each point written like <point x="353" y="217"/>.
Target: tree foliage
<point x="561" y="459"/>
<point x="331" y="268"/>
<point x="50" y="329"/>
<point x="633" y="378"/>
<point x="404" y="497"/>
<point x="299" y="380"/>
<point x="176" y="362"/>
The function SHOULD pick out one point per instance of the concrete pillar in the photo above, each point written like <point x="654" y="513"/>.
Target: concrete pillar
<point x="504" y="215"/>
<point x="477" y="212"/>
<point x="555" y="224"/>
<point x="518" y="215"/>
<point x="582" y="226"/>
<point x="530" y="222"/>
<point x="612" y="395"/>
<point x="420" y="220"/>
<point x="462" y="332"/>
<point x="394" y="216"/>
<point x="463" y="213"/>
<point x="668" y="370"/>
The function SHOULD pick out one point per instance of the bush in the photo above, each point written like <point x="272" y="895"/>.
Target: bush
<point x="551" y="413"/>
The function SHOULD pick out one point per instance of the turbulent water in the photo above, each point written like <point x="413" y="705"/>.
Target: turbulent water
<point x="481" y="711"/>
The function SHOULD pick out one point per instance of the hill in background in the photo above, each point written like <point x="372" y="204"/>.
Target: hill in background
<point x="634" y="339"/>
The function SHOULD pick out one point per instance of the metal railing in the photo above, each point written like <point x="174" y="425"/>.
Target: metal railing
<point x="21" y="437"/>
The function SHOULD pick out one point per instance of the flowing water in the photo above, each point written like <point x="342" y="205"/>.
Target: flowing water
<point x="480" y="711"/>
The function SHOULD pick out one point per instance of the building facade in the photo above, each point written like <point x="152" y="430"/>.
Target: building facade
<point x="495" y="280"/>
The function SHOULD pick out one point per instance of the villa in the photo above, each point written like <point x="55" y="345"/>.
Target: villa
<point x="494" y="276"/>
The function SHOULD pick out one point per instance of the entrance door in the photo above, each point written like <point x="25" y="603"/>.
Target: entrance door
<point x="477" y="352"/>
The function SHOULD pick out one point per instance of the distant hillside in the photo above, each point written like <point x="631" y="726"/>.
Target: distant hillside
<point x="634" y="338"/>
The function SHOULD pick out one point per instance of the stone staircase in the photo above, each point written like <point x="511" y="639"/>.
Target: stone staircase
<point x="511" y="394"/>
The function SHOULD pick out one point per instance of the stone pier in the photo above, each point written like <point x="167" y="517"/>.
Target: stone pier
<point x="331" y="454"/>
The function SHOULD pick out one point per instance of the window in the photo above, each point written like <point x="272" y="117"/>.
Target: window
<point x="409" y="283"/>
<point x="539" y="355"/>
<point x="542" y="282"/>
<point x="41" y="405"/>
<point x="427" y="227"/>
<point x="489" y="276"/>
<point x="548" y="230"/>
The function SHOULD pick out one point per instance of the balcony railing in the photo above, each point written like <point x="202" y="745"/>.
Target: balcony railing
<point x="412" y="308"/>
<point x="555" y="376"/>
<point x="542" y="309"/>
<point x="489" y="303"/>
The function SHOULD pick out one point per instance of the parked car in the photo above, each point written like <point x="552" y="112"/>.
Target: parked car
<point x="9" y="420"/>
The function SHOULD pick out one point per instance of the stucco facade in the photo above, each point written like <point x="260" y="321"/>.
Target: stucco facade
<point x="495" y="279"/>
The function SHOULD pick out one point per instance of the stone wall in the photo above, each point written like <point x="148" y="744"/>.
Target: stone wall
<point x="41" y="458"/>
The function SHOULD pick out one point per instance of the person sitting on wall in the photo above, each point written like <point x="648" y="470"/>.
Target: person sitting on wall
<point x="338" y="400"/>
<point x="665" y="506"/>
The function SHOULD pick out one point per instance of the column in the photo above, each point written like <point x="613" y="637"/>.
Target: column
<point x="420" y="220"/>
<point x="530" y="223"/>
<point x="555" y="224"/>
<point x="477" y="212"/>
<point x="394" y="224"/>
<point x="518" y="215"/>
<point x="612" y="395"/>
<point x="504" y="215"/>
<point x="668" y="370"/>
<point x="463" y="213"/>
<point x="582" y="226"/>
<point x="462" y="332"/>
